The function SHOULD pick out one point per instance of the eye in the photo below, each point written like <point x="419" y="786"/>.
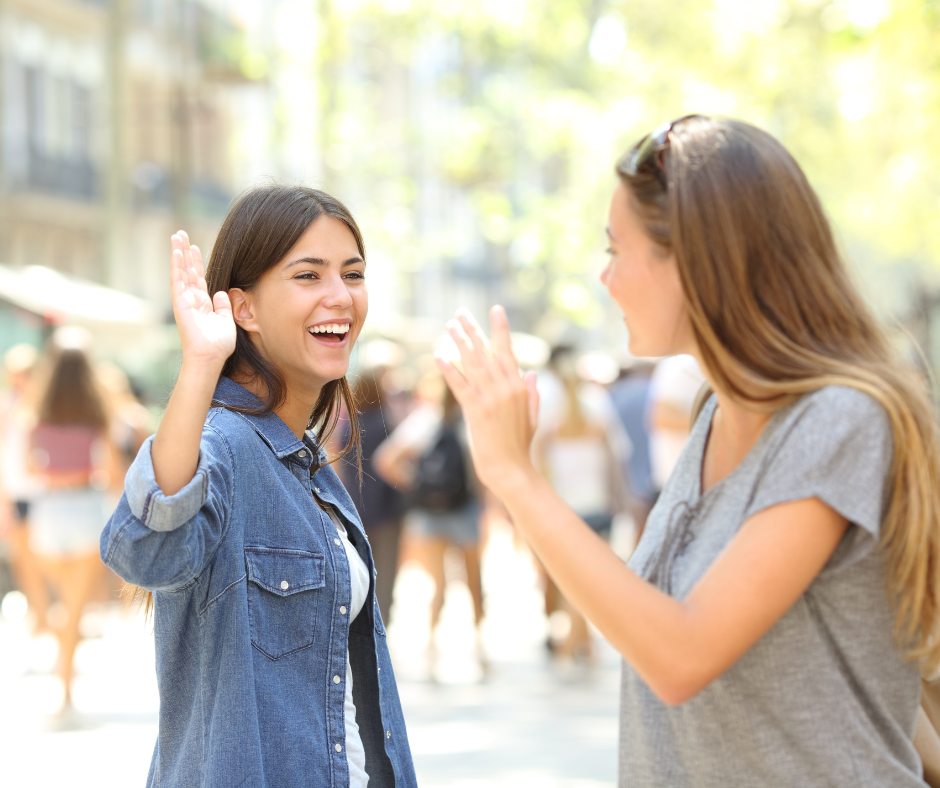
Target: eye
<point x="307" y="275"/>
<point x="354" y="275"/>
<point x="608" y="250"/>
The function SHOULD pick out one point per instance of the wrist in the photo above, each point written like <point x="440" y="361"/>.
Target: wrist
<point x="201" y="368"/>
<point x="516" y="482"/>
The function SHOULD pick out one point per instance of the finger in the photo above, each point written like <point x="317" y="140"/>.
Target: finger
<point x="455" y="380"/>
<point x="475" y="349"/>
<point x="177" y="274"/>
<point x="531" y="381"/>
<point x="184" y="237"/>
<point x="473" y="363"/>
<point x="221" y="304"/>
<point x="473" y="330"/>
<point x="199" y="268"/>
<point x="192" y="276"/>
<point x="502" y="340"/>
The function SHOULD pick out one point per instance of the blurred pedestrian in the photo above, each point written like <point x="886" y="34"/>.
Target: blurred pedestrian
<point x="584" y="465"/>
<point x="131" y="423"/>
<point x="17" y="484"/>
<point x="676" y="382"/>
<point x="380" y="505"/>
<point x="272" y="661"/>
<point x="70" y="451"/>
<point x="630" y="394"/>
<point x="427" y="456"/>
<point x="777" y="614"/>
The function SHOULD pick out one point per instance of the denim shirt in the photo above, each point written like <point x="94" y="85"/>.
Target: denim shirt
<point x="251" y="589"/>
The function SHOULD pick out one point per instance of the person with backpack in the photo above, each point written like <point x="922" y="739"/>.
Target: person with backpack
<point x="427" y="456"/>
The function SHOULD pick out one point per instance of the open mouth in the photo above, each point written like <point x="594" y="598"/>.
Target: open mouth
<point x="330" y="333"/>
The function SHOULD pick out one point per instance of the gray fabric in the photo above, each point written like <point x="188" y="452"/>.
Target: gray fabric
<point x="824" y="698"/>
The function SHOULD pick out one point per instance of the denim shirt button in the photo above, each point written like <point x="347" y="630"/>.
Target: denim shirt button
<point x="338" y="748"/>
<point x="302" y="453"/>
<point x="336" y="679"/>
<point x="317" y="489"/>
<point x="342" y="609"/>
<point x="388" y="734"/>
<point x="284" y="585"/>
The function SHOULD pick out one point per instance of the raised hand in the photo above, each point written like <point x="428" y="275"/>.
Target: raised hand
<point x="206" y="327"/>
<point x="499" y="406"/>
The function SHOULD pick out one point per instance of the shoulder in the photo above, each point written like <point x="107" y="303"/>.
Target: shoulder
<point x="840" y="406"/>
<point x="835" y="429"/>
<point x="225" y="436"/>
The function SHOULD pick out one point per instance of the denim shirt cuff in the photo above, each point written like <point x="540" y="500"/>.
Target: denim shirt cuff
<point x="147" y="501"/>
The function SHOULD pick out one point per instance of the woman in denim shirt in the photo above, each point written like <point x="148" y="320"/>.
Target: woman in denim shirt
<point x="272" y="663"/>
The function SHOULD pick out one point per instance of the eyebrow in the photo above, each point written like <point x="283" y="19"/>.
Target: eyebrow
<point x="321" y="261"/>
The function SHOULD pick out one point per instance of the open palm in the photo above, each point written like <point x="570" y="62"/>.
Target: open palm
<point x="206" y="327"/>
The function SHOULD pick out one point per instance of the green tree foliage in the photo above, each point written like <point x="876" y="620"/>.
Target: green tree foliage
<point x="522" y="107"/>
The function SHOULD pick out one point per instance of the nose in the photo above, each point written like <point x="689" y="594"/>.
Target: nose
<point x="337" y="296"/>
<point x="605" y="275"/>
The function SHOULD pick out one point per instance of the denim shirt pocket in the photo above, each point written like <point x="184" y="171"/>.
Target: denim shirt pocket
<point x="283" y="598"/>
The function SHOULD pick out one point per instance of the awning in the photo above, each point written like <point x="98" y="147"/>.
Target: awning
<point x="60" y="298"/>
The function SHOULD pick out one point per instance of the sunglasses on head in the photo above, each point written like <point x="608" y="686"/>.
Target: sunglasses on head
<point x="648" y="155"/>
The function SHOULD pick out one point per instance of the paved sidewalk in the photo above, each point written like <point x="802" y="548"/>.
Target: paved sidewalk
<point x="530" y="723"/>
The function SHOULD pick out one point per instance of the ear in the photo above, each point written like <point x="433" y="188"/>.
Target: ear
<point x="243" y="309"/>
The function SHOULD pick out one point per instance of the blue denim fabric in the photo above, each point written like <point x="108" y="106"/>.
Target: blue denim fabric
<point x="249" y="582"/>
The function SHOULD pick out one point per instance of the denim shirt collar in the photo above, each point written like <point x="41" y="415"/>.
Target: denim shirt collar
<point x="272" y="430"/>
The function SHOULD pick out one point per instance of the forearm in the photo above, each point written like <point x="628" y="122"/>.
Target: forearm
<point x="655" y="633"/>
<point x="175" y="450"/>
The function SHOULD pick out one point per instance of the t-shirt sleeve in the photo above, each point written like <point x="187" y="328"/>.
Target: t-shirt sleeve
<point x="837" y="448"/>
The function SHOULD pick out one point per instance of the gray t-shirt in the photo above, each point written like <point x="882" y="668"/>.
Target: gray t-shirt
<point x="824" y="698"/>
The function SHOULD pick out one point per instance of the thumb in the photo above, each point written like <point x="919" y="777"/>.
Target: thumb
<point x="222" y="304"/>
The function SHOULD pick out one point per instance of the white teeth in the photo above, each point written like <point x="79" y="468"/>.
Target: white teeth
<point x="331" y="328"/>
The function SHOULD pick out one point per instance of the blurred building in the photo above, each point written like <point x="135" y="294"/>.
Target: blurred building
<point x="116" y="125"/>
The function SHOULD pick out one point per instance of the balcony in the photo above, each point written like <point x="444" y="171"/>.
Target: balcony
<point x="75" y="179"/>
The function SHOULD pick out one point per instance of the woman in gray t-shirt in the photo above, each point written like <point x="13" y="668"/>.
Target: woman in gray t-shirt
<point x="784" y="597"/>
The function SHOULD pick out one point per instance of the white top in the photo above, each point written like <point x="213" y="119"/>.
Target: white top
<point x="359" y="590"/>
<point x="18" y="483"/>
<point x="676" y="381"/>
<point x="579" y="470"/>
<point x="418" y="429"/>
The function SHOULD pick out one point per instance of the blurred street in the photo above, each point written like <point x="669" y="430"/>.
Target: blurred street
<point x="529" y="723"/>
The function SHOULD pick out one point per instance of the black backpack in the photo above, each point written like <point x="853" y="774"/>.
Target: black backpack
<point x="441" y="479"/>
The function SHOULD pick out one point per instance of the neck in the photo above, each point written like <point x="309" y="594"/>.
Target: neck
<point x="294" y="411"/>
<point x="736" y="427"/>
<point x="737" y="424"/>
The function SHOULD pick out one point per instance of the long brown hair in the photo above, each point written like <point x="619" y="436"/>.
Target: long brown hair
<point x="260" y="229"/>
<point x="262" y="226"/>
<point x="71" y="395"/>
<point x="775" y="314"/>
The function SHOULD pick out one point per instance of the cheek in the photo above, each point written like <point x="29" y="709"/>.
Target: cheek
<point x="360" y="298"/>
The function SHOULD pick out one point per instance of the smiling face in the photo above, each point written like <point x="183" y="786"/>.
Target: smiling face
<point x="305" y="313"/>
<point x="644" y="281"/>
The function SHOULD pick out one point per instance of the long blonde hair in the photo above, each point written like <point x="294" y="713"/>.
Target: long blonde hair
<point x="775" y="314"/>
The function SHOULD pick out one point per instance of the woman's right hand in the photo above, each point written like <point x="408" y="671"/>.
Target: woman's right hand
<point x="206" y="327"/>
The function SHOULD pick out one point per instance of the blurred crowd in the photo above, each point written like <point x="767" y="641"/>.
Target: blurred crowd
<point x="606" y="442"/>
<point x="70" y="427"/>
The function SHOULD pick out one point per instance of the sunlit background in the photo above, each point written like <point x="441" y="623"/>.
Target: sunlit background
<point x="474" y="141"/>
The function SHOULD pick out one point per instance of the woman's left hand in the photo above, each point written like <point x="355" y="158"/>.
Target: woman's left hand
<point x="499" y="406"/>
